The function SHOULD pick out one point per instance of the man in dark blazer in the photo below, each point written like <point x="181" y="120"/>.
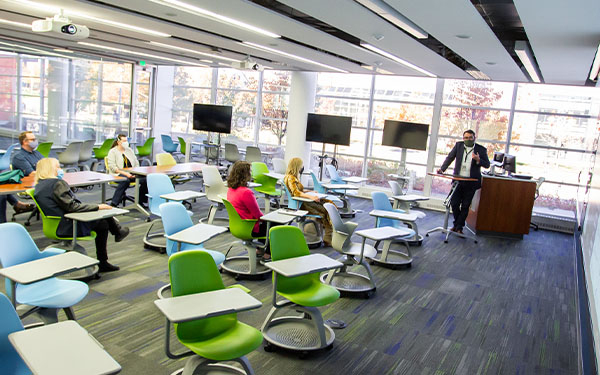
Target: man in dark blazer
<point x="470" y="157"/>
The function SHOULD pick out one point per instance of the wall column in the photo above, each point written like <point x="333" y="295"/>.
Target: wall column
<point x="302" y="101"/>
<point x="163" y="104"/>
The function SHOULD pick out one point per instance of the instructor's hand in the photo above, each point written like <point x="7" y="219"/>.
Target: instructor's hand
<point x="476" y="157"/>
<point x="439" y="171"/>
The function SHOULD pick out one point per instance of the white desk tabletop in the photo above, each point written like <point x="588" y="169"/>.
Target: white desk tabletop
<point x="204" y="305"/>
<point x="383" y="233"/>
<point x="45" y="268"/>
<point x="410" y="198"/>
<point x="411" y="216"/>
<point x="277" y="218"/>
<point x="275" y="175"/>
<point x="179" y="196"/>
<point x="252" y="184"/>
<point x="340" y="186"/>
<point x="303" y="265"/>
<point x="63" y="348"/>
<point x="95" y="215"/>
<point x="289" y="211"/>
<point x="320" y="195"/>
<point x="355" y="179"/>
<point x="197" y="234"/>
<point x="398" y="177"/>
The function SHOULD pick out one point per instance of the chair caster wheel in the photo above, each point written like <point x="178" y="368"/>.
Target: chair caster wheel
<point x="303" y="355"/>
<point x="446" y="241"/>
<point x="409" y="265"/>
<point x="329" y="347"/>
<point x="148" y="220"/>
<point x="237" y="277"/>
<point x="269" y="348"/>
<point x="475" y="241"/>
<point x="27" y="224"/>
<point x="427" y="235"/>
<point x="97" y="276"/>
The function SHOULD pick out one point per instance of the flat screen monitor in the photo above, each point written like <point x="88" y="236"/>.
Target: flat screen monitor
<point x="498" y="158"/>
<point x="212" y="118"/>
<point x="405" y="134"/>
<point x="328" y="129"/>
<point x="510" y="164"/>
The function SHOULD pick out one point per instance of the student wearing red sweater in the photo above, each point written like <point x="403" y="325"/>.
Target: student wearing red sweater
<point x="243" y="199"/>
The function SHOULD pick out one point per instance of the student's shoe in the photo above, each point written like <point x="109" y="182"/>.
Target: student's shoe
<point x="123" y="232"/>
<point x="21" y="207"/>
<point x="107" y="267"/>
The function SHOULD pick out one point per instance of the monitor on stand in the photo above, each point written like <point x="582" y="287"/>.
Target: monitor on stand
<point x="497" y="161"/>
<point x="510" y="164"/>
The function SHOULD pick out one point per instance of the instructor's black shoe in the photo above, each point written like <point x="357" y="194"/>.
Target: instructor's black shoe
<point x="107" y="267"/>
<point x="123" y="232"/>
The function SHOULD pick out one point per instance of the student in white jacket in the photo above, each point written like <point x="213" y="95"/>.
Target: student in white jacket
<point x="120" y="157"/>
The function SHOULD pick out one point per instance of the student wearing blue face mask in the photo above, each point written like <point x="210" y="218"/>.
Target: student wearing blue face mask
<point x="55" y="198"/>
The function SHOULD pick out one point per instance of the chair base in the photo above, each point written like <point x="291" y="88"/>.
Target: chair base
<point x="350" y="284"/>
<point x="155" y="240"/>
<point x="200" y="366"/>
<point x="164" y="292"/>
<point x="391" y="258"/>
<point x="349" y="214"/>
<point x="239" y="266"/>
<point x="296" y="333"/>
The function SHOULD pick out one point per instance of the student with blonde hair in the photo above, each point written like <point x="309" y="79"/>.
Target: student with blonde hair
<point x="55" y="198"/>
<point x="292" y="181"/>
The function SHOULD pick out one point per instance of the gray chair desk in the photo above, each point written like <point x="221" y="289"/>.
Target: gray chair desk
<point x="277" y="218"/>
<point x="196" y="234"/>
<point x="403" y="201"/>
<point x="354" y="179"/>
<point x="63" y="348"/>
<point x="303" y="265"/>
<point x="347" y="210"/>
<point x="46" y="268"/>
<point x="388" y="257"/>
<point x="183" y="195"/>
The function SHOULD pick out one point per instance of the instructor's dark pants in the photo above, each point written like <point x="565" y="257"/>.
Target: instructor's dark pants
<point x="461" y="200"/>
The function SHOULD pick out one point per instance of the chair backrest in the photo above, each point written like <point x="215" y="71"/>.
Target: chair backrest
<point x="333" y="174"/>
<point x="5" y="159"/>
<point x="165" y="159"/>
<point x="182" y="145"/>
<point x="232" y="154"/>
<point x="212" y="152"/>
<point x="11" y="361"/>
<point x="279" y="165"/>
<point x="292" y="203"/>
<point x="215" y="188"/>
<point x="253" y="154"/>
<point x="167" y="143"/>
<point x="158" y="184"/>
<point x="334" y="216"/>
<point x="381" y="202"/>
<point x="538" y="183"/>
<point x="85" y="151"/>
<point x="44" y="148"/>
<point x="22" y="248"/>
<point x="396" y="188"/>
<point x="239" y="228"/>
<point x="317" y="184"/>
<point x="268" y="184"/>
<point x="286" y="242"/>
<point x="71" y="153"/>
<point x="146" y="149"/>
<point x="193" y="272"/>
<point x="49" y="223"/>
<point x="175" y="218"/>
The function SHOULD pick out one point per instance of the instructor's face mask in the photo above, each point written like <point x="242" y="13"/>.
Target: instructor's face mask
<point x="469" y="143"/>
<point x="60" y="174"/>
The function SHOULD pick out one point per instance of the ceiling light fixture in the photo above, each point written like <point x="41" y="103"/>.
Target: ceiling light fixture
<point x="595" y="66"/>
<point x="13" y="23"/>
<point x="41" y="51"/>
<point x="135" y="53"/>
<point x="477" y="74"/>
<point x="180" y="5"/>
<point x="63" y="50"/>
<point x="193" y="51"/>
<point x="57" y="9"/>
<point x="281" y="53"/>
<point x="396" y="59"/>
<point x="526" y="56"/>
<point x="392" y="15"/>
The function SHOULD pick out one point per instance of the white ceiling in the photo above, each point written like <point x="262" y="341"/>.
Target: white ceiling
<point x="563" y="35"/>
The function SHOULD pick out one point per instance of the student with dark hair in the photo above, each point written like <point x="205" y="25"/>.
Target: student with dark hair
<point x="119" y="158"/>
<point x="470" y="157"/>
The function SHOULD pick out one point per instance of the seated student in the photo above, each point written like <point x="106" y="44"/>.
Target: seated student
<point x="56" y="199"/>
<point x="243" y="199"/>
<point x="27" y="157"/>
<point x="292" y="181"/>
<point x="120" y="157"/>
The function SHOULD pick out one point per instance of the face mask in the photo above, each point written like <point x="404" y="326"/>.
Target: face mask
<point x="33" y="144"/>
<point x="301" y="171"/>
<point x="60" y="174"/>
<point x="469" y="143"/>
<point x="125" y="144"/>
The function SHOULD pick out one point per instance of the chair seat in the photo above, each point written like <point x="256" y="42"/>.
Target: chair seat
<point x="317" y="294"/>
<point x="273" y="192"/>
<point x="410" y="232"/>
<point x="354" y="249"/>
<point x="52" y="293"/>
<point x="337" y="201"/>
<point x="217" y="256"/>
<point x="91" y="237"/>
<point x="237" y="341"/>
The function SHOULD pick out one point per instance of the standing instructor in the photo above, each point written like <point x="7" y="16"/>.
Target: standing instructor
<point x="470" y="157"/>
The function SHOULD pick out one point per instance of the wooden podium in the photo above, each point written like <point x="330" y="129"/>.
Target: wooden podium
<point x="502" y="206"/>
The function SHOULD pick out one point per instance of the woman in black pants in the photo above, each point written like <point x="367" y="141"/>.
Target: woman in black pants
<point x="55" y="198"/>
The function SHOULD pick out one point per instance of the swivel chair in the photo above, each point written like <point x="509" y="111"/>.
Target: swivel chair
<point x="144" y="152"/>
<point x="100" y="153"/>
<point x="5" y="159"/>
<point x="69" y="159"/>
<point x="295" y="203"/>
<point x="166" y="159"/>
<point x="167" y="144"/>
<point x="85" y="154"/>
<point x="253" y="154"/>
<point x="303" y="294"/>
<point x="243" y="265"/>
<point x="11" y="361"/>
<point x="346" y="209"/>
<point x="114" y="184"/>
<point x="220" y="337"/>
<point x="333" y="175"/>
<point x="279" y="165"/>
<point x="158" y="184"/>
<point x="214" y="189"/>
<point x="352" y="254"/>
<point x="321" y="190"/>
<point x="47" y="296"/>
<point x="267" y="184"/>
<point x="232" y="154"/>
<point x="44" y="148"/>
<point x="408" y="199"/>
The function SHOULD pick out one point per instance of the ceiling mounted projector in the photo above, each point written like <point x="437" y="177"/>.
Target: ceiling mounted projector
<point x="248" y="65"/>
<point x="61" y="27"/>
